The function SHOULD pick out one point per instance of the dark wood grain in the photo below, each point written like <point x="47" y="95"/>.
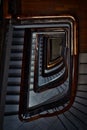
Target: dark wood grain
<point x="76" y="8"/>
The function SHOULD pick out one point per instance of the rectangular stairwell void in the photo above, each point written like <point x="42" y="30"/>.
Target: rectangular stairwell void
<point x="49" y="66"/>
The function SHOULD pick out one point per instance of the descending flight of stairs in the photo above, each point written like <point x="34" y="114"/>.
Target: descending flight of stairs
<point x="75" y="118"/>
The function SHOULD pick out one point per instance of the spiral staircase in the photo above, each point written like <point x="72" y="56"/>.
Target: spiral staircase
<point x="75" y="118"/>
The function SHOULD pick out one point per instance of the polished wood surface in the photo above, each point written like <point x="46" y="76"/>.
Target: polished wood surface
<point x="77" y="8"/>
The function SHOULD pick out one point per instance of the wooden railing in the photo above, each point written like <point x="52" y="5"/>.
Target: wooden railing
<point x="26" y="8"/>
